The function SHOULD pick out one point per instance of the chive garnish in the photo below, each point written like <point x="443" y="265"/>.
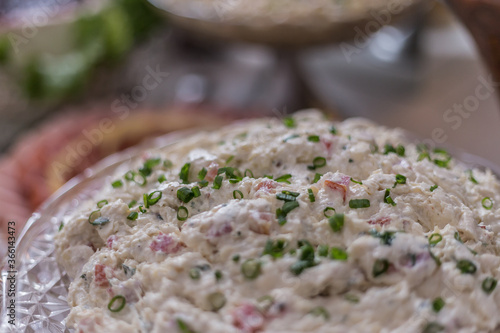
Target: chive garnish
<point x="434" y="239"/>
<point x="281" y="213"/>
<point x="142" y="210"/>
<point x="202" y="174"/>
<point x="400" y="179"/>
<point x="338" y="254"/>
<point x="311" y="195"/>
<point x="386" y="237"/>
<point x="217" y="300"/>
<point x="194" y="273"/>
<point x="162" y="179"/>
<point x="184" y="173"/>
<point x="185" y="194"/>
<point x="229" y="159"/>
<point x="286" y="196"/>
<point x="317" y="177"/>
<point x="356" y="182"/>
<point x="95" y="218"/>
<point x="128" y="270"/>
<point x="196" y="191"/>
<point x="117" y="184"/>
<point x="152" y="198"/>
<point x="133" y="216"/>
<point x="102" y="203"/>
<point x="275" y="248"/>
<point x="61" y="226"/>
<point x="203" y="183"/>
<point x="359" y="203"/>
<point x="167" y="164"/>
<point x="457" y="237"/>
<point x="433" y="327"/>
<point x="380" y="267"/>
<point x="313" y="138"/>
<point x="336" y="222"/>
<point x="318" y="162"/>
<point x="284" y="179"/>
<point x="438" y="304"/>
<point x="218" y="275"/>
<point x="217" y="182"/>
<point x="306" y="259"/>
<point x="320" y="311"/>
<point x="236" y="258"/>
<point x="471" y="176"/>
<point x="122" y="301"/>
<point x="328" y="209"/>
<point x="487" y="203"/>
<point x="293" y="136"/>
<point x="489" y="284"/>
<point x="237" y="194"/>
<point x="137" y="178"/>
<point x="248" y="173"/>
<point x="182" y="213"/>
<point x="148" y="166"/>
<point x="322" y="250"/>
<point x="251" y="268"/>
<point x="333" y="130"/>
<point x="433" y="188"/>
<point x="132" y="203"/>
<point x="399" y="150"/>
<point x="466" y="266"/>
<point x="183" y="327"/>
<point x="289" y="122"/>
<point x="388" y="199"/>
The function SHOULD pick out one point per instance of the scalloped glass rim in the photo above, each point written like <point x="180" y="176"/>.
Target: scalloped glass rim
<point x="41" y="285"/>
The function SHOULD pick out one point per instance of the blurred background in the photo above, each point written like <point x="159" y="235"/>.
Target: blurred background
<point x="82" y="79"/>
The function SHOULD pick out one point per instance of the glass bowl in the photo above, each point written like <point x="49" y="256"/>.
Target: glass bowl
<point x="42" y="286"/>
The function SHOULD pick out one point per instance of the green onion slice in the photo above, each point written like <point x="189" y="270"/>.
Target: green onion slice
<point x="102" y="203"/>
<point x="487" y="203"/>
<point x="217" y="300"/>
<point x="466" y="266"/>
<point x="327" y="210"/>
<point x="359" y="203"/>
<point x="435" y="239"/>
<point x="318" y="162"/>
<point x="217" y="182"/>
<point x="182" y="213"/>
<point x="336" y="222"/>
<point x="313" y="138"/>
<point x="380" y="267"/>
<point x="152" y="198"/>
<point x="251" y="268"/>
<point x="133" y="216"/>
<point x="248" y="173"/>
<point x="185" y="194"/>
<point x="338" y="254"/>
<point x="388" y="199"/>
<point x="237" y="194"/>
<point x="121" y="303"/>
<point x="184" y="173"/>
<point x="284" y="179"/>
<point x="489" y="284"/>
<point x="117" y="184"/>
<point x="400" y="179"/>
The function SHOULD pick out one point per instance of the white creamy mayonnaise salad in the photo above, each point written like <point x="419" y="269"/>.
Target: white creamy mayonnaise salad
<point x="294" y="225"/>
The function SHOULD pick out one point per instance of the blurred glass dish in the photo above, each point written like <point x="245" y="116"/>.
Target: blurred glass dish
<point x="41" y="285"/>
<point x="285" y="23"/>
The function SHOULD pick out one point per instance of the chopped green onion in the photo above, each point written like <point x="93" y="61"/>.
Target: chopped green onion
<point x="284" y="179"/>
<point x="129" y="175"/>
<point x="217" y="182"/>
<point x="133" y="216"/>
<point x="487" y="203"/>
<point x="162" y="179"/>
<point x="183" y="327"/>
<point x="137" y="178"/>
<point x="101" y="203"/>
<point x="167" y="164"/>
<point x="285" y="197"/>
<point x="236" y="258"/>
<point x="338" y="254"/>
<point x="322" y="250"/>
<point x="251" y="268"/>
<point x="386" y="237"/>
<point x="203" y="183"/>
<point x="184" y="173"/>
<point x="182" y="213"/>
<point x="185" y="194"/>
<point x="289" y="122"/>
<point x="320" y="311"/>
<point x="471" y="177"/>
<point x="95" y="218"/>
<point x="196" y="191"/>
<point x="436" y="259"/>
<point x="438" y="304"/>
<point x="336" y="222"/>
<point x="457" y="237"/>
<point x="399" y="150"/>
<point x="489" y="284"/>
<point x="359" y="203"/>
<point x="317" y="177"/>
<point x="351" y="298"/>
<point x="152" y="198"/>
<point x="306" y="259"/>
<point x="202" y="174"/>
<point x="148" y="166"/>
<point x="356" y="182"/>
<point x="435" y="239"/>
<point x="433" y="327"/>
<point x="218" y="275"/>
<point x="311" y="195"/>
<point x="466" y="266"/>
<point x="293" y="136"/>
<point x="400" y="179"/>
<point x="194" y="273"/>
<point x="237" y="194"/>
<point x="388" y="199"/>
<point x="281" y="213"/>
<point x="122" y="301"/>
<point x="229" y="159"/>
<point x="333" y="130"/>
<point x="142" y="210"/>
<point x="328" y="209"/>
<point x="217" y="300"/>
<point x="275" y="248"/>
<point x="132" y="203"/>
<point x="248" y="173"/>
<point x="318" y="162"/>
<point x="313" y="138"/>
<point x="433" y="188"/>
<point x="117" y="184"/>
<point x="61" y="226"/>
<point x="380" y="267"/>
<point x="128" y="270"/>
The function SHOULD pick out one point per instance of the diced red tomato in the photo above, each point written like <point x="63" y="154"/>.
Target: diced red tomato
<point x="248" y="318"/>
<point x="100" y="278"/>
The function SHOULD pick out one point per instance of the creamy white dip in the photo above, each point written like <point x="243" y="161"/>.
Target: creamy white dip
<point x="312" y="226"/>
